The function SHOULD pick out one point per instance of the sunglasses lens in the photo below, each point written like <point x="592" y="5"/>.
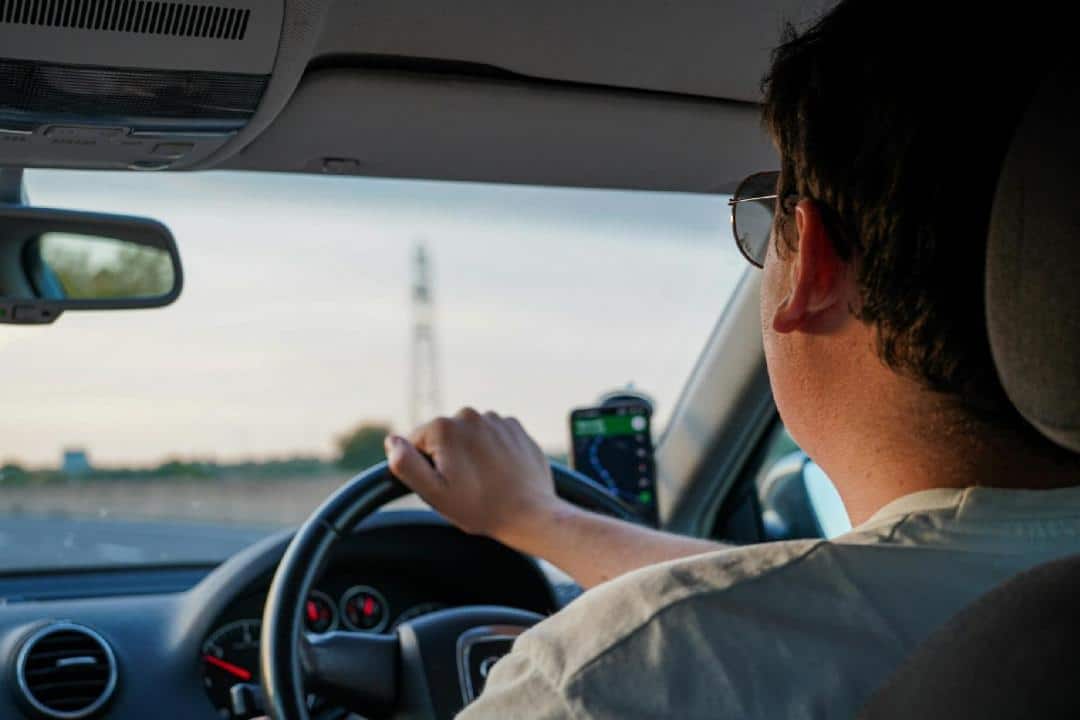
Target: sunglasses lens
<point x="754" y="218"/>
<point x="753" y="223"/>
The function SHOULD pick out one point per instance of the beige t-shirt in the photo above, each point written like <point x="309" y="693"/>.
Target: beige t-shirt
<point x="802" y="629"/>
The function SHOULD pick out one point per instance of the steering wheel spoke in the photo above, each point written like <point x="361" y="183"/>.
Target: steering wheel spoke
<point x="356" y="670"/>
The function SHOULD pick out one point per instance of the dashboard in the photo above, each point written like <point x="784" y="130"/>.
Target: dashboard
<point x="193" y="652"/>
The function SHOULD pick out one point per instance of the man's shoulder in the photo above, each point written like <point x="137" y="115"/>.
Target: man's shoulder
<point x="715" y="635"/>
<point x="617" y="612"/>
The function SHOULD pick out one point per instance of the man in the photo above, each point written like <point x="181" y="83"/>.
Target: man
<point x="891" y="120"/>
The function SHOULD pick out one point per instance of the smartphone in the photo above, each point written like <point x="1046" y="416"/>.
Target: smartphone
<point x="612" y="444"/>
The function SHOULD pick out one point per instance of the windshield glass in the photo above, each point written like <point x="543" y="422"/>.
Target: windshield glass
<point x="307" y="329"/>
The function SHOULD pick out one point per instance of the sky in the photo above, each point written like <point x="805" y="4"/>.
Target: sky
<point x="295" y="320"/>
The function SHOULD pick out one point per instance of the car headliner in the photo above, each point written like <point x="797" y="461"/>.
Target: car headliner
<point x="591" y="93"/>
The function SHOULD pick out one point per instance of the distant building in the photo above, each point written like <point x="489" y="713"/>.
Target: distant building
<point x="76" y="462"/>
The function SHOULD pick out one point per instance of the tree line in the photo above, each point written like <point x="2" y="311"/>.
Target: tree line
<point x="358" y="448"/>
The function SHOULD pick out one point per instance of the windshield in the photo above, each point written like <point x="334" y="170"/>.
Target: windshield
<point x="318" y="313"/>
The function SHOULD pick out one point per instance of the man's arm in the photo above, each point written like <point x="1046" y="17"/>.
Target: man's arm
<point x="490" y="478"/>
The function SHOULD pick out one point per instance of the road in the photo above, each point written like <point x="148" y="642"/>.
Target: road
<point x="43" y="541"/>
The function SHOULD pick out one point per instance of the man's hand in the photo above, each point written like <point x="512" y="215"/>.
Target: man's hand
<point x="489" y="477"/>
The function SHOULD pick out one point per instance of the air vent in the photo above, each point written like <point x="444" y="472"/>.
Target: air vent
<point x="147" y="17"/>
<point x="66" y="671"/>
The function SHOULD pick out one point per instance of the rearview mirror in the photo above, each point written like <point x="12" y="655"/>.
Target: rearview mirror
<point x="52" y="261"/>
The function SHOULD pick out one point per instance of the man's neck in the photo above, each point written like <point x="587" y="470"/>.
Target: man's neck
<point x="907" y="441"/>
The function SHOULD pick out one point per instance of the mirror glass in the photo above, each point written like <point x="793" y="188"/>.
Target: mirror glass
<point x="65" y="266"/>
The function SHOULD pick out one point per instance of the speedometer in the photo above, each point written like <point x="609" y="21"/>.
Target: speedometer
<point x="230" y="656"/>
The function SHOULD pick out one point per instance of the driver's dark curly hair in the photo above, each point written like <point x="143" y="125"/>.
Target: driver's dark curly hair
<point x="894" y="117"/>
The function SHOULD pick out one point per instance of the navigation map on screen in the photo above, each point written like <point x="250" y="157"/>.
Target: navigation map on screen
<point x="613" y="446"/>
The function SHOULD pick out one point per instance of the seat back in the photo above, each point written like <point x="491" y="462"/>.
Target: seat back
<point x="1014" y="652"/>
<point x="1011" y="654"/>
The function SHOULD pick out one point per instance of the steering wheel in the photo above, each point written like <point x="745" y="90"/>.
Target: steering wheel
<point x="431" y="667"/>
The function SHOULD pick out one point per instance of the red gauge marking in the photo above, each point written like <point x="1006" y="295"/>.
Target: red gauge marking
<point x="312" y="611"/>
<point x="369" y="606"/>
<point x="228" y="667"/>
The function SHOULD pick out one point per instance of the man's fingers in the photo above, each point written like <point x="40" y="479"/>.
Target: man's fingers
<point x="468" y="414"/>
<point x="518" y="432"/>
<point x="409" y="466"/>
<point x="428" y="437"/>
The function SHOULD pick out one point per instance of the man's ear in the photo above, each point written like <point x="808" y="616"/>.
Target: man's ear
<point x="818" y="275"/>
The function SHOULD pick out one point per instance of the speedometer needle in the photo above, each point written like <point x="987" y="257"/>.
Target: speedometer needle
<point x="228" y="667"/>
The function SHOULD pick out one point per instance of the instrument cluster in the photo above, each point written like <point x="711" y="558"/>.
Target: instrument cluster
<point x="230" y="654"/>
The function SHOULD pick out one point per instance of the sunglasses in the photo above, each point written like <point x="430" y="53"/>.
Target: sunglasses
<point x="753" y="211"/>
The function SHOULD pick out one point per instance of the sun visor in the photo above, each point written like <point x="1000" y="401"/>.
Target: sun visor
<point x="400" y="124"/>
<point x="137" y="84"/>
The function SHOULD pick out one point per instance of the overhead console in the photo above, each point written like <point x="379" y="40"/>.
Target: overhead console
<point x="130" y="84"/>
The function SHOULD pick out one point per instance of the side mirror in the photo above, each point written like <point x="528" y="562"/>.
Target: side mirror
<point x="52" y="261"/>
<point x="799" y="501"/>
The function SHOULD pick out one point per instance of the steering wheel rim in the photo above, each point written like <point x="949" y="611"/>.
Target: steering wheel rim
<point x="282" y="674"/>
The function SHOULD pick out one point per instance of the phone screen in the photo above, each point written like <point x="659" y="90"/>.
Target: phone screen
<point x="613" y="446"/>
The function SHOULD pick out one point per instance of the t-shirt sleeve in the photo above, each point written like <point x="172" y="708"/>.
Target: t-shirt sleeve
<point x="518" y="688"/>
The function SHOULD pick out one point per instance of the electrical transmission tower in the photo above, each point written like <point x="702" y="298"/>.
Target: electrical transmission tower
<point x="424" y="396"/>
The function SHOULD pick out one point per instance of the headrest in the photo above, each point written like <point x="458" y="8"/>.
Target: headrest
<point x="1033" y="263"/>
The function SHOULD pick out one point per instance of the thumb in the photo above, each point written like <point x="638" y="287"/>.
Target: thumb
<point x="410" y="467"/>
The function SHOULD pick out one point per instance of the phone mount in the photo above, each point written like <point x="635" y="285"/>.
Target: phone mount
<point x="625" y="396"/>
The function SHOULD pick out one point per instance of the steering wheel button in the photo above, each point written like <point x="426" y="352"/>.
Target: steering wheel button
<point x="482" y="656"/>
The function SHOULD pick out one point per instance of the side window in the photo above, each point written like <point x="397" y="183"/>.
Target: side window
<point x="796" y="497"/>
